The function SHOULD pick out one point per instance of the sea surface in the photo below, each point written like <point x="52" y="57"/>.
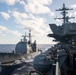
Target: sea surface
<point x="7" y="48"/>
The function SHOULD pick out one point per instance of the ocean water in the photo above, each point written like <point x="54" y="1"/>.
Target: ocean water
<point x="7" y="47"/>
<point x="11" y="47"/>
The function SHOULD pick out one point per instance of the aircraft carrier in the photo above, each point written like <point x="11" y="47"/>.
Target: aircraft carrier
<point x="61" y="58"/>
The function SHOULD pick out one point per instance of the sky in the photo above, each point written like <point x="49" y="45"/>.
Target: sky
<point x="19" y="16"/>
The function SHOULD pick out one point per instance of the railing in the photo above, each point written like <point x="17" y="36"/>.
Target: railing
<point x="57" y="68"/>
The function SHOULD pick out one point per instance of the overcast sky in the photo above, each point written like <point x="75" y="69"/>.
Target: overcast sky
<point x="18" y="16"/>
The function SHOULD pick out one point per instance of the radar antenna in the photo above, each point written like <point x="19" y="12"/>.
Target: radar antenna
<point x="64" y="12"/>
<point x="24" y="37"/>
<point x="30" y="35"/>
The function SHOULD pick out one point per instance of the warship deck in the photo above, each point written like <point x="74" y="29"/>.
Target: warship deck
<point x="24" y="70"/>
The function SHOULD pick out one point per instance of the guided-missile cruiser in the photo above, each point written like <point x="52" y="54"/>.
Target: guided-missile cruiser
<point x="61" y="58"/>
<point x="24" y="51"/>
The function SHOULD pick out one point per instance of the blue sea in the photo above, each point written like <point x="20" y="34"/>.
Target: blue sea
<point x="11" y="47"/>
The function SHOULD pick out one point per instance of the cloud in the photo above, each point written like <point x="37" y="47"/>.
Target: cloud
<point x="19" y="15"/>
<point x="73" y="6"/>
<point x="3" y="28"/>
<point x="31" y="19"/>
<point x="58" y="20"/>
<point x="6" y="30"/>
<point x="37" y="6"/>
<point x="36" y="24"/>
<point x="5" y="15"/>
<point x="22" y="2"/>
<point x="10" y="2"/>
<point x="43" y="2"/>
<point x="15" y="33"/>
<point x="38" y="9"/>
<point x="74" y="13"/>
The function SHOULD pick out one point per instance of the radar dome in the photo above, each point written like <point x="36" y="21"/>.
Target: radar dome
<point x="21" y="47"/>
